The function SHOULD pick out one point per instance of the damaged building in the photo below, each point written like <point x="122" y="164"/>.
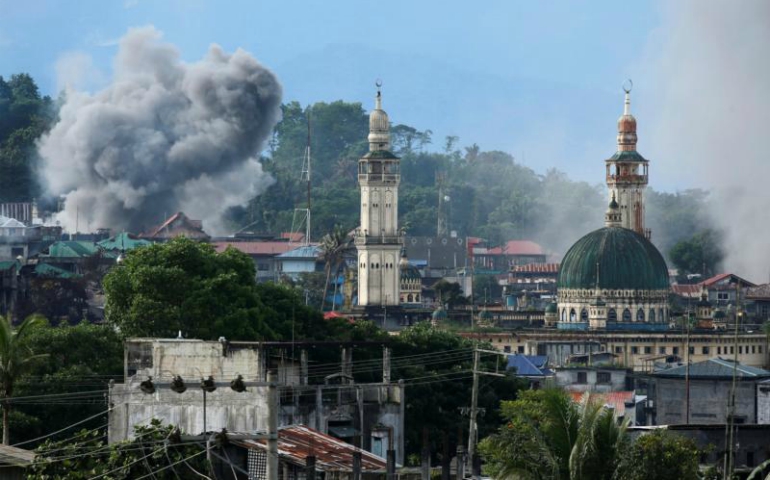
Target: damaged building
<point x="205" y="386"/>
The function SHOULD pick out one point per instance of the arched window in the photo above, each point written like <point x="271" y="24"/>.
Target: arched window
<point x="640" y="315"/>
<point x="612" y="315"/>
<point x="417" y="298"/>
<point x="662" y="316"/>
<point x="572" y="316"/>
<point x="584" y="315"/>
<point x="652" y="315"/>
<point x="626" y="315"/>
<point x="409" y="298"/>
<point x="563" y="314"/>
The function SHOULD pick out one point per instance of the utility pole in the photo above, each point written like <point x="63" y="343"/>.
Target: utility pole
<point x="272" y="427"/>
<point x="473" y="429"/>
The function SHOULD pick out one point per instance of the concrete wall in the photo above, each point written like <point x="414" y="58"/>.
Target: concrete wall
<point x="568" y="378"/>
<point x="225" y="408"/>
<point x="708" y="401"/>
<point x="763" y="403"/>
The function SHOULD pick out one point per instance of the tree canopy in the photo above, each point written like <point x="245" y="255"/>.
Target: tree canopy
<point x="24" y="117"/>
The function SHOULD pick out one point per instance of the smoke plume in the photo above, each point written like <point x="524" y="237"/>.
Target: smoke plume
<point x="710" y="121"/>
<point x="163" y="136"/>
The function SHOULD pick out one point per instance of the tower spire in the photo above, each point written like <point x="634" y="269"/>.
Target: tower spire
<point x="379" y="125"/>
<point x="627" y="123"/>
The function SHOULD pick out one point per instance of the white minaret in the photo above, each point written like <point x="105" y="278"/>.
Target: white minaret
<point x="378" y="239"/>
<point x="627" y="173"/>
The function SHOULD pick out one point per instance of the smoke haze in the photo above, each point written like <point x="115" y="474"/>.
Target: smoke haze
<point x="163" y="136"/>
<point x="710" y="121"/>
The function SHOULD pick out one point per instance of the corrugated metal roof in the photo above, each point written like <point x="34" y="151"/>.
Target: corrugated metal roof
<point x="309" y="251"/>
<point x="714" y="368"/>
<point x="537" y="268"/>
<point x="72" y="249"/>
<point x="256" y="248"/>
<point x="529" y="365"/>
<point x="297" y="442"/>
<point x="123" y="241"/>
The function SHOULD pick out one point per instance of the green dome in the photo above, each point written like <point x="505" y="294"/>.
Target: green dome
<point x="439" y="314"/>
<point x="551" y="308"/>
<point x="623" y="260"/>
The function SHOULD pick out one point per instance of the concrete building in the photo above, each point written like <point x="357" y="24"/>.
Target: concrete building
<point x="594" y="379"/>
<point x="378" y="240"/>
<point x="263" y="253"/>
<point x="299" y="260"/>
<point x="333" y="405"/>
<point x="639" y="351"/>
<point x="710" y="384"/>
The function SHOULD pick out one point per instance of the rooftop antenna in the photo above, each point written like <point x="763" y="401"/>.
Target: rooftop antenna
<point x="302" y="215"/>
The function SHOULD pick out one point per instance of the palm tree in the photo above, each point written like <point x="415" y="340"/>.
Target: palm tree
<point x="16" y="357"/>
<point x="333" y="248"/>
<point x="547" y="435"/>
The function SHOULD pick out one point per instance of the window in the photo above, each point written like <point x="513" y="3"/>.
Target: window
<point x="691" y="350"/>
<point x="750" y="459"/>
<point x="507" y="349"/>
<point x="647" y="350"/>
<point x="740" y="349"/>
<point x="662" y="350"/>
<point x="675" y="350"/>
<point x="759" y="348"/>
<point x="612" y="315"/>
<point x="582" y="377"/>
<point x="572" y="315"/>
<point x="603" y="377"/>
<point x="640" y="315"/>
<point x="635" y="350"/>
<point x="520" y="349"/>
<point x="732" y="349"/>
<point x="723" y="296"/>
<point x="719" y="350"/>
<point x="753" y="349"/>
<point x="652" y="316"/>
<point x="563" y="314"/>
<point x="626" y="315"/>
<point x="705" y="350"/>
<point x="618" y="349"/>
<point x="584" y="315"/>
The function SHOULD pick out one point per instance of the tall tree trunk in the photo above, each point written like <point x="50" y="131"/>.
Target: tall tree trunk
<point x="326" y="286"/>
<point x="6" y="424"/>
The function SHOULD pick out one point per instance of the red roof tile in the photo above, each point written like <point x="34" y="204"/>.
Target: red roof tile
<point x="616" y="400"/>
<point x="517" y="247"/>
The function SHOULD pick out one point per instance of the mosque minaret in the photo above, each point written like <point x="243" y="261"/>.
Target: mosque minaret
<point x="378" y="239"/>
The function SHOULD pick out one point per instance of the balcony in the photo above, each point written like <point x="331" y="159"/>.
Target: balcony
<point x="628" y="178"/>
<point x="384" y="178"/>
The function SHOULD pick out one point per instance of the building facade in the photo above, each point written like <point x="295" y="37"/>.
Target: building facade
<point x="378" y="240"/>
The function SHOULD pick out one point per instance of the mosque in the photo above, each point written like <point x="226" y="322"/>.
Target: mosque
<point x="614" y="278"/>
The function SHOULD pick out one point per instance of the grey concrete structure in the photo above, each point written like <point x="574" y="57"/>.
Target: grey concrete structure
<point x="709" y="390"/>
<point x="593" y="379"/>
<point x="337" y="406"/>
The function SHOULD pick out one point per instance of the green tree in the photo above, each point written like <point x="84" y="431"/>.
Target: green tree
<point x="186" y="286"/>
<point x="660" y="455"/>
<point x="450" y="293"/>
<point x="156" y="450"/>
<point x="334" y="245"/>
<point x="545" y="435"/>
<point x="434" y="402"/>
<point x="16" y="358"/>
<point x="81" y="358"/>
<point x="700" y="254"/>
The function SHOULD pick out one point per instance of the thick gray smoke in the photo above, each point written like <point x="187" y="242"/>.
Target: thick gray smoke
<point x="711" y="121"/>
<point x="164" y="136"/>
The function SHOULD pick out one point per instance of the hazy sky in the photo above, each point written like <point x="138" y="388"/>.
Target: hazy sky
<point x="538" y="79"/>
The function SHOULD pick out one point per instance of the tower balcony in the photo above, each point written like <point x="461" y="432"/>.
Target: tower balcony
<point x="627" y="179"/>
<point x="364" y="238"/>
<point x="379" y="178"/>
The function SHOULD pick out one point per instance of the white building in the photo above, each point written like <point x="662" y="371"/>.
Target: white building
<point x="378" y="239"/>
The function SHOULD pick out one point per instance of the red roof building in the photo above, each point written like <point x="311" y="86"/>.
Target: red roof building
<point x="178" y="225"/>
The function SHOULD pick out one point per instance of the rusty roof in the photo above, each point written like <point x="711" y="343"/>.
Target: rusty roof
<point x="616" y="400"/>
<point x="297" y="442"/>
<point x="517" y="247"/>
<point x="270" y="248"/>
